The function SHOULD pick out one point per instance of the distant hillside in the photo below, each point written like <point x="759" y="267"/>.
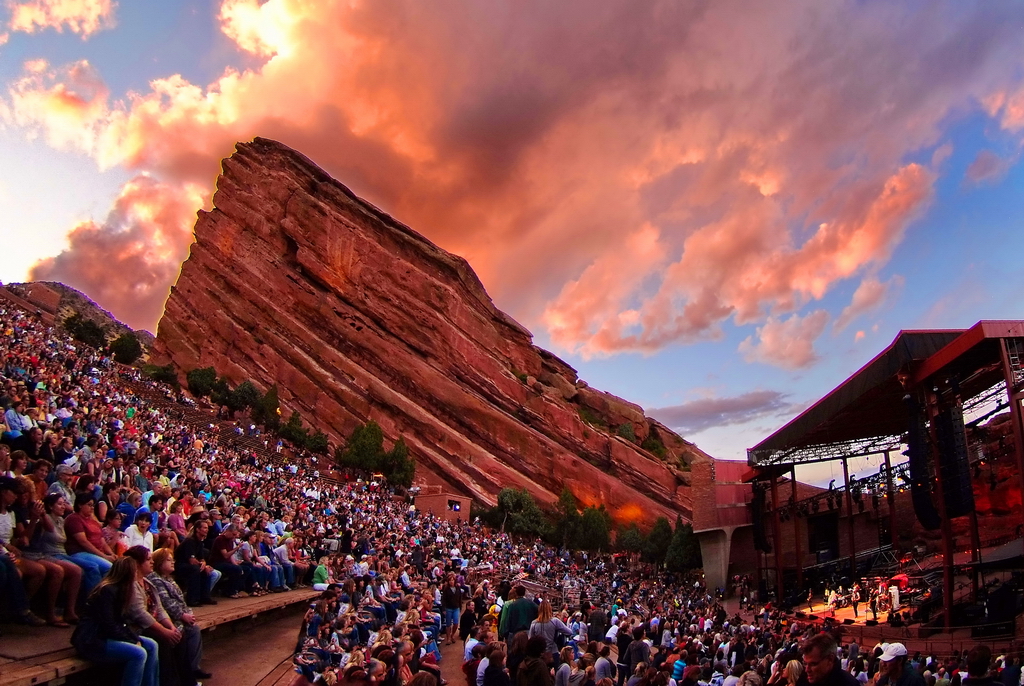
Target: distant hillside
<point x="62" y="301"/>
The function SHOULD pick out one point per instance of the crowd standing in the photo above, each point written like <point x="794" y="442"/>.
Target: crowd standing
<point x="120" y="519"/>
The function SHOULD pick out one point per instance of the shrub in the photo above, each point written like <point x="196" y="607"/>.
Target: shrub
<point x="126" y="348"/>
<point x="652" y="445"/>
<point x="268" y="410"/>
<point x="164" y="374"/>
<point x="317" y="443"/>
<point x="589" y="417"/>
<point x="294" y="431"/>
<point x="626" y="431"/>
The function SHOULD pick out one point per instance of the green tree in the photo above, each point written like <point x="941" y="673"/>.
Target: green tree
<point x="568" y="522"/>
<point x="268" y="410"/>
<point x="684" y="551"/>
<point x="220" y="394"/>
<point x="657" y="541"/>
<point x="246" y="395"/>
<point x="396" y="465"/>
<point x="364" y="449"/>
<point x="317" y="443"/>
<point x="201" y="381"/>
<point x="294" y="431"/>
<point x="126" y="348"/>
<point x="519" y="514"/>
<point x="630" y="540"/>
<point x="86" y="330"/>
<point x="594" y="531"/>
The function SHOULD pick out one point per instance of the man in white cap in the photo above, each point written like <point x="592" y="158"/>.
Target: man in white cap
<point x="893" y="669"/>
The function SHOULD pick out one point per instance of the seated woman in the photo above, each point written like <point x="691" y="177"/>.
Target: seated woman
<point x="140" y="532"/>
<point x="85" y="543"/>
<point x="173" y="600"/>
<point x="103" y="634"/>
<point x="11" y="584"/>
<point x="147" y="616"/>
<point x="112" y="533"/>
<point x="44" y="532"/>
<point x="176" y="520"/>
<point x="321" y="575"/>
<point x="255" y="570"/>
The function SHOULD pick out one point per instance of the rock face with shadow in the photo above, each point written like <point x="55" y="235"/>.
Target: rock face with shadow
<point x="295" y="281"/>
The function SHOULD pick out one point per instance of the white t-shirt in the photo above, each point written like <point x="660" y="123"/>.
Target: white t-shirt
<point x="6" y="527"/>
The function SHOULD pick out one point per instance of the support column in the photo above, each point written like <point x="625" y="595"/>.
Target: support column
<point x="849" y="521"/>
<point x="1013" y="396"/>
<point x="975" y="552"/>
<point x="891" y="497"/>
<point x="932" y="406"/>
<point x="777" y="535"/>
<point x="796" y="532"/>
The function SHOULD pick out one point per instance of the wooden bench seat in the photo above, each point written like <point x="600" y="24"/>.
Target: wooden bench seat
<point x="54" y="665"/>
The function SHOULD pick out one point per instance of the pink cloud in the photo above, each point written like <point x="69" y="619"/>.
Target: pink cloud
<point x="787" y="343"/>
<point x="870" y="294"/>
<point x="987" y="166"/>
<point x="629" y="176"/>
<point x="84" y="17"/>
<point x="129" y="261"/>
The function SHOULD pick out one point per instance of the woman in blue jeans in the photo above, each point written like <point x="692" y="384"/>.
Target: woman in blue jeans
<point x="104" y="636"/>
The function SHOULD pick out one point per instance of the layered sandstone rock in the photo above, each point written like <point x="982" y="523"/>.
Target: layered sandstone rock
<point x="295" y="281"/>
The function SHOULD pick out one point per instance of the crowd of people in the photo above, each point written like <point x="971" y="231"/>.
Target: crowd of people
<point x="119" y="518"/>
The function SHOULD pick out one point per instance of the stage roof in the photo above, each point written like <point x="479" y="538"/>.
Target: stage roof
<point x="866" y="414"/>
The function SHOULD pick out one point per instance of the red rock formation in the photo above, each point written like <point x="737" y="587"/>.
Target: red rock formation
<point x="294" y="280"/>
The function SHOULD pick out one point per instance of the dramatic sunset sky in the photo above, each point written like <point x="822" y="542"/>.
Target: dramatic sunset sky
<point x="716" y="209"/>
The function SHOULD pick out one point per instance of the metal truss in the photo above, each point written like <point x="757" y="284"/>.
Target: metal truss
<point x="825" y="452"/>
<point x="875" y="485"/>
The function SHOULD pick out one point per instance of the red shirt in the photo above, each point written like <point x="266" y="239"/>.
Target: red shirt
<point x="75" y="524"/>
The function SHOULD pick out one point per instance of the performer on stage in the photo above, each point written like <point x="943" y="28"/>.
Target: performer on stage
<point x="873" y="605"/>
<point x="855" y="598"/>
<point x="810" y="600"/>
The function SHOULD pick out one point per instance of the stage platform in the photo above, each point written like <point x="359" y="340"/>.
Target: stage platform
<point x="30" y="656"/>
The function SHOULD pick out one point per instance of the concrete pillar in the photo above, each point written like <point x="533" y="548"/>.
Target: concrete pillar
<point x="715" y="548"/>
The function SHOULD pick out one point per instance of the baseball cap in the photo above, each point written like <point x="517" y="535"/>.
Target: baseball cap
<point x="892" y="651"/>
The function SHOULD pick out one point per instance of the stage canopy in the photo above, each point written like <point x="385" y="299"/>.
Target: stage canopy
<point x="866" y="414"/>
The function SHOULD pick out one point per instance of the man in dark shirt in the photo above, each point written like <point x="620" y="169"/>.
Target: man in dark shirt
<point x="598" y="624"/>
<point x="1011" y="672"/>
<point x="978" y="662"/>
<point x="821" y="666"/>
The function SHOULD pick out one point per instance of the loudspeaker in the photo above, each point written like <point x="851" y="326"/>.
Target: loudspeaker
<point x="801" y="615"/>
<point x="920" y="474"/>
<point x="872" y="622"/>
<point x="847" y="621"/>
<point x="956" y="469"/>
<point x="812" y="617"/>
<point x="757" y="506"/>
